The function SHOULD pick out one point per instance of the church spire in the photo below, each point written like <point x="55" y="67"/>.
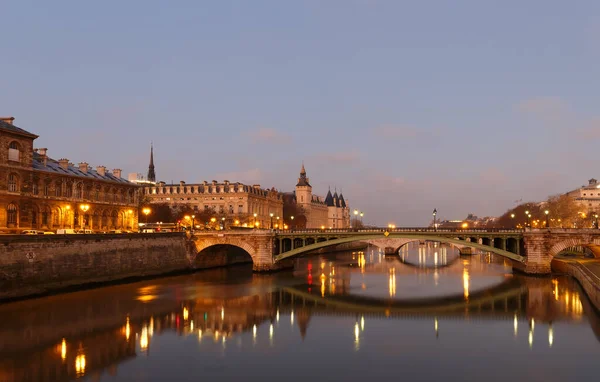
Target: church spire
<point x="151" y="174"/>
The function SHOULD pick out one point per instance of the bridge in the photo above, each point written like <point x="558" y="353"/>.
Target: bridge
<point x="530" y="251"/>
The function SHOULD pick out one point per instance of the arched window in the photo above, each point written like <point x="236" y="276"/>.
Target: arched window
<point x="78" y="191"/>
<point x="34" y="187"/>
<point x="69" y="190"/>
<point x="12" y="183"/>
<point x="13" y="152"/>
<point x="11" y="216"/>
<point x="58" y="188"/>
<point x="46" y="188"/>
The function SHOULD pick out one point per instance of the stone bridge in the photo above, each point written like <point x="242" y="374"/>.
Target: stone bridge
<point x="530" y="251"/>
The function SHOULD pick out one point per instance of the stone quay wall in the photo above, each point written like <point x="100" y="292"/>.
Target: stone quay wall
<point x="32" y="265"/>
<point x="588" y="280"/>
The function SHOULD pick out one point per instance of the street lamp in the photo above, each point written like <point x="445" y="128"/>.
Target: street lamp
<point x="527" y="214"/>
<point x="146" y="211"/>
<point x="193" y="222"/>
<point x="361" y="216"/>
<point x="529" y="220"/>
<point x="84" y="208"/>
<point x="547" y="221"/>
<point x="512" y="216"/>
<point x="255" y="215"/>
<point x="271" y="215"/>
<point x="292" y="222"/>
<point x="277" y="225"/>
<point x="223" y="220"/>
<point x="596" y="216"/>
<point x="434" y="214"/>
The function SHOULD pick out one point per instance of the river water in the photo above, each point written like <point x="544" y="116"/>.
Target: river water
<point x="428" y="314"/>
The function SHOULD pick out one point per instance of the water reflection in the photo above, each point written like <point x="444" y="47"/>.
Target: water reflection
<point x="93" y="332"/>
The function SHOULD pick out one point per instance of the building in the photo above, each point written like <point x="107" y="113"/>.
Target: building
<point x="38" y="192"/>
<point x="587" y="197"/>
<point x="332" y="211"/>
<point x="236" y="202"/>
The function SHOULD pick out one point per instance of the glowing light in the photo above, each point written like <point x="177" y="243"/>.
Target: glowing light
<point x="151" y="327"/>
<point x="466" y="283"/>
<point x="322" y="285"/>
<point x="292" y="317"/>
<point x="435" y="324"/>
<point x="530" y="338"/>
<point x="392" y="282"/>
<point x="516" y="325"/>
<point x="277" y="316"/>
<point x="80" y="364"/>
<point x="356" y="336"/>
<point x="532" y="324"/>
<point x="550" y="335"/>
<point x="144" y="338"/>
<point x="63" y="349"/>
<point x="186" y="313"/>
<point x="199" y="335"/>
<point x="254" y="331"/>
<point x="362" y="323"/>
<point x="222" y="313"/>
<point x="127" y="329"/>
<point x="192" y="325"/>
<point x="435" y="258"/>
<point x="271" y="332"/>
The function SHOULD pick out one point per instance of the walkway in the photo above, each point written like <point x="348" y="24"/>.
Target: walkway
<point x="584" y="270"/>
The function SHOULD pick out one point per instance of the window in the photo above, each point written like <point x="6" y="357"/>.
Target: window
<point x="34" y="189"/>
<point x="97" y="194"/>
<point x="12" y="183"/>
<point x="78" y="193"/>
<point x="240" y="208"/>
<point x="69" y="190"/>
<point x="46" y="189"/>
<point x="230" y="209"/>
<point x="58" y="189"/>
<point x="13" y="152"/>
<point x="11" y="217"/>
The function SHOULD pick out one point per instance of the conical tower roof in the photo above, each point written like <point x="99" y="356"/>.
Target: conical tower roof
<point x="329" y="199"/>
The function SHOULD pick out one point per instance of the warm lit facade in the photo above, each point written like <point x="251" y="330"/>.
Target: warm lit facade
<point x="587" y="197"/>
<point x="331" y="212"/>
<point x="235" y="201"/>
<point x="37" y="192"/>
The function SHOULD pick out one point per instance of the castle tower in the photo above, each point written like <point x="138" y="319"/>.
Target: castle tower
<point x="151" y="174"/>
<point x="303" y="189"/>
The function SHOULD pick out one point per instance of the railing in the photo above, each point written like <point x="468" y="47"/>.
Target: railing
<point x="398" y="230"/>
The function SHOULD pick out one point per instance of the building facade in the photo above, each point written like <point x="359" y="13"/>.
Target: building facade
<point x="238" y="203"/>
<point x="332" y="211"/>
<point x="587" y="197"/>
<point x="38" y="192"/>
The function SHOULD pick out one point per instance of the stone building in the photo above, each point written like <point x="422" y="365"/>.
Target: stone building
<point x="588" y="196"/>
<point x="331" y="212"/>
<point x="38" y="192"/>
<point x="235" y="201"/>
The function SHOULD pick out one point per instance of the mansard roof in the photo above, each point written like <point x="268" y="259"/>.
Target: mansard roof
<point x="53" y="166"/>
<point x="329" y="199"/>
<point x="342" y="201"/>
<point x="14" y="129"/>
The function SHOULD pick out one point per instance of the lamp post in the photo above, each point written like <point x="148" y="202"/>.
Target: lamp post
<point x="292" y="222"/>
<point x="596" y="217"/>
<point x="277" y="225"/>
<point x="512" y="216"/>
<point x="193" y="222"/>
<point x="146" y="212"/>
<point x="271" y="215"/>
<point x="223" y="221"/>
<point x="355" y="218"/>
<point x="361" y="216"/>
<point x="434" y="214"/>
<point x="527" y="214"/>
<point x="529" y="220"/>
<point x="547" y="221"/>
<point x="254" y="223"/>
<point x="84" y="208"/>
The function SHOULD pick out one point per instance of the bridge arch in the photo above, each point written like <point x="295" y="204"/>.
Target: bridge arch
<point x="592" y="244"/>
<point x="407" y="237"/>
<point x="222" y="253"/>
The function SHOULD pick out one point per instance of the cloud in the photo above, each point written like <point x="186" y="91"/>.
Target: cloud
<point x="397" y="131"/>
<point x="341" y="157"/>
<point x="268" y="135"/>
<point x="548" y="109"/>
<point x="252" y="176"/>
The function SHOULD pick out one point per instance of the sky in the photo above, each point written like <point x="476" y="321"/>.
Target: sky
<point x="404" y="106"/>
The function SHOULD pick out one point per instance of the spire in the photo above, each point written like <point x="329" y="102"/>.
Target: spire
<point x="303" y="180"/>
<point x="151" y="174"/>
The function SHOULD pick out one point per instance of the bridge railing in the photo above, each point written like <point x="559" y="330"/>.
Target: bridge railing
<point x="398" y="230"/>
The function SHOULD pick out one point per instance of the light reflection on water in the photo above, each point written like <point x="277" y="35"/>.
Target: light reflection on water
<point x="428" y="303"/>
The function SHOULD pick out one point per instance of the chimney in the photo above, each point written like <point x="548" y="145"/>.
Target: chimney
<point x="83" y="167"/>
<point x="101" y="170"/>
<point x="8" y="120"/>
<point x="257" y="186"/>
<point x="42" y="152"/>
<point x="161" y="183"/>
<point x="117" y="172"/>
<point x="181" y="183"/>
<point x="63" y="163"/>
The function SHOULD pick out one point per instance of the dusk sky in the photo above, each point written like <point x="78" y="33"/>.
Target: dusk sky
<point x="463" y="106"/>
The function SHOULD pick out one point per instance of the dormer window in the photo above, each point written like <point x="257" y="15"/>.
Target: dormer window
<point x="13" y="152"/>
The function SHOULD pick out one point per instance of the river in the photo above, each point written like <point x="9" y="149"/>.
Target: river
<point x="426" y="314"/>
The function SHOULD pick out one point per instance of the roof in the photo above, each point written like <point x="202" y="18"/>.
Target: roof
<point x="14" y="129"/>
<point x="329" y="199"/>
<point x="336" y="199"/>
<point x="303" y="180"/>
<point x="342" y="201"/>
<point x="53" y="167"/>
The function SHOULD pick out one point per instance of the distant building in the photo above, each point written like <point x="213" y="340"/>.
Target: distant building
<point x="38" y="192"/>
<point x="587" y="197"/>
<point x="332" y="211"/>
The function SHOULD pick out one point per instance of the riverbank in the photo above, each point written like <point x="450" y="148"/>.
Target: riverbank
<point x="586" y="272"/>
